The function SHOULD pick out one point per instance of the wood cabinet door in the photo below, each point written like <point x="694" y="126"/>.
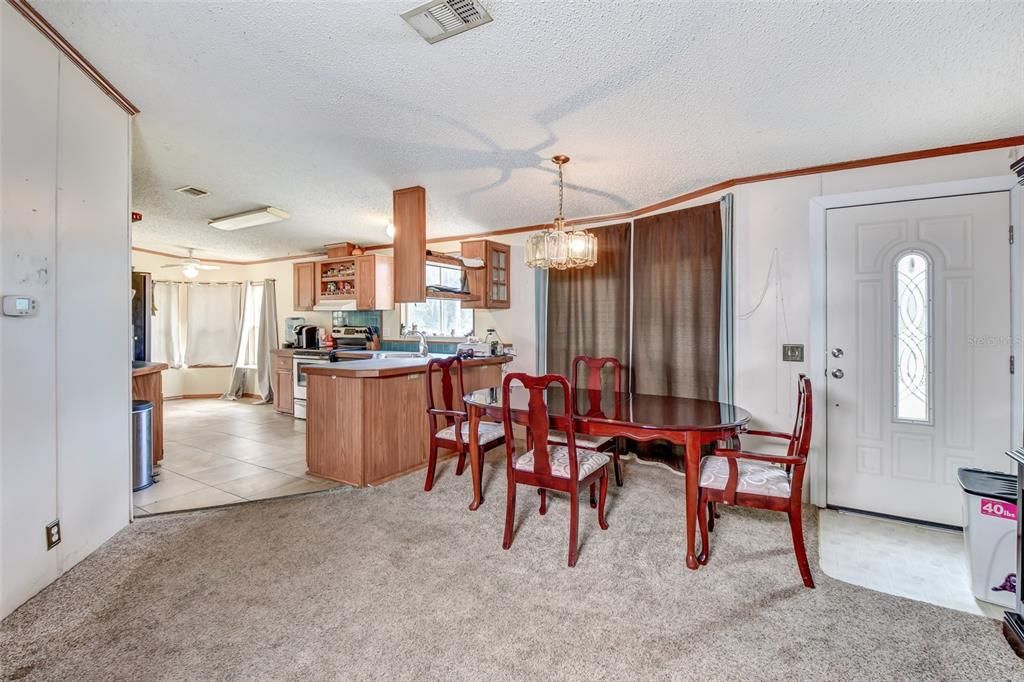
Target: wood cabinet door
<point x="497" y="275"/>
<point x="283" y="394"/>
<point x="305" y="286"/>
<point x="366" y="280"/>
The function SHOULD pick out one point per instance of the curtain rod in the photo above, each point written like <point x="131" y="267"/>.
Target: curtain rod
<point x="207" y="284"/>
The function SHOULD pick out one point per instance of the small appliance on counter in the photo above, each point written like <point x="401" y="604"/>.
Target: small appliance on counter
<point x="307" y="336"/>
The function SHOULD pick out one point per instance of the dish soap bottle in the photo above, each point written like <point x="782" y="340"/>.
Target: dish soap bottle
<point x="494" y="342"/>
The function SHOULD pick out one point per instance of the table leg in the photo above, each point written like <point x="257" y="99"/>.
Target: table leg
<point x="475" y="465"/>
<point x="693" y="441"/>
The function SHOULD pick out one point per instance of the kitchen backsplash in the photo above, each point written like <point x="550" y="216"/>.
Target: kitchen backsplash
<point x="446" y="348"/>
<point x="358" y="318"/>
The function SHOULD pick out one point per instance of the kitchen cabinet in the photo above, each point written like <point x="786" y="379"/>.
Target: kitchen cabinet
<point x="409" y="216"/>
<point x="305" y="286"/>
<point x="366" y="281"/>
<point x="282" y="382"/>
<point x="490" y="285"/>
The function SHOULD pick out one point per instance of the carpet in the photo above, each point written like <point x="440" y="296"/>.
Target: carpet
<point x="395" y="583"/>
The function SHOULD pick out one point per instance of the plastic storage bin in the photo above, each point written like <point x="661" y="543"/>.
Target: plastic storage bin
<point x="990" y="534"/>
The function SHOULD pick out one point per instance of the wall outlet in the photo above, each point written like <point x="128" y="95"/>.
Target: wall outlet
<point x="52" y="534"/>
<point x="792" y="352"/>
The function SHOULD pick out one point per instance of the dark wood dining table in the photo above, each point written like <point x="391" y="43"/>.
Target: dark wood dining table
<point x="687" y="422"/>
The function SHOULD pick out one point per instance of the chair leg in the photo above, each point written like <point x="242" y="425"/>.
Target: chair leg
<point x="618" y="465"/>
<point x="510" y="515"/>
<point x="796" y="525"/>
<point x="601" y="521"/>
<point x="543" y="501"/>
<point x="593" y="495"/>
<point x="462" y="464"/>
<point x="712" y="515"/>
<point x="703" y="508"/>
<point x="574" y="523"/>
<point x="431" y="466"/>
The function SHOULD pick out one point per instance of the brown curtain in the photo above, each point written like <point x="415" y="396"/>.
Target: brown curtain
<point x="588" y="308"/>
<point x="677" y="285"/>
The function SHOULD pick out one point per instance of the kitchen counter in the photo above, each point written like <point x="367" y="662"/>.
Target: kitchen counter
<point x="366" y="419"/>
<point x="140" y="368"/>
<point x="148" y="384"/>
<point x="374" y="367"/>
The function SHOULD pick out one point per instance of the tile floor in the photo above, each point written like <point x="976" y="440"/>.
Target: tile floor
<point x="222" y="452"/>
<point x="916" y="562"/>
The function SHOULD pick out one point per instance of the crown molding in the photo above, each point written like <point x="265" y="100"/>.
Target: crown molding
<point x="53" y="35"/>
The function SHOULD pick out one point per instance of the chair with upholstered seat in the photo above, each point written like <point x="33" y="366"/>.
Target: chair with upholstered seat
<point x="548" y="466"/>
<point x="454" y="435"/>
<point x="750" y="479"/>
<point x="593" y="387"/>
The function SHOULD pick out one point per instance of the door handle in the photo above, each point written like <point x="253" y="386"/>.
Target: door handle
<point x="837" y="374"/>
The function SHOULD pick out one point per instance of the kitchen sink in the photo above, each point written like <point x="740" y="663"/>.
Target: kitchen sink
<point x="385" y="356"/>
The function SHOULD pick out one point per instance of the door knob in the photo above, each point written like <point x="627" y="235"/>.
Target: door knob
<point x="837" y="352"/>
<point x="837" y="373"/>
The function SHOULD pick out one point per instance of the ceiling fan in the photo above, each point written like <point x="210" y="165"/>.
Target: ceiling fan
<point x="191" y="266"/>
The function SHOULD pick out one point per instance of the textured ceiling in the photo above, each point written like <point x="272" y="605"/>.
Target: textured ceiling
<point x="322" y="108"/>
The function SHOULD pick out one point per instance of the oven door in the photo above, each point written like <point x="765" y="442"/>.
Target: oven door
<point x="299" y="377"/>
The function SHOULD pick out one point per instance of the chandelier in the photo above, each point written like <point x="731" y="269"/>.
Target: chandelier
<point x="557" y="247"/>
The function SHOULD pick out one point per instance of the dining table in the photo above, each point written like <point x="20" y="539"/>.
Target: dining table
<point x="688" y="422"/>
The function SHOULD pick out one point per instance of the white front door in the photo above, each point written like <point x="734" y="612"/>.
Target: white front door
<point x="919" y="338"/>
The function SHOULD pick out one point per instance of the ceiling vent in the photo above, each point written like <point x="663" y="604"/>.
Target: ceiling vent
<point x="192" y="191"/>
<point x="442" y="19"/>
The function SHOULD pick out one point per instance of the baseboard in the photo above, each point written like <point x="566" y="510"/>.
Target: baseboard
<point x="206" y="396"/>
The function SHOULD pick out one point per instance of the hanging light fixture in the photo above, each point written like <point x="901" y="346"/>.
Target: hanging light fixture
<point x="557" y="247"/>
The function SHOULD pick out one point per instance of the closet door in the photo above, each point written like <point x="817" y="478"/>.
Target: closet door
<point x="93" y="316"/>
<point x="27" y="247"/>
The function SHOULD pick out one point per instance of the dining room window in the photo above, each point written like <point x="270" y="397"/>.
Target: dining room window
<point x="912" y="337"/>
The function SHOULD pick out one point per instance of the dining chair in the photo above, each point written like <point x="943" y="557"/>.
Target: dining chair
<point x="750" y="479"/>
<point x="545" y="465"/>
<point x="593" y="387"/>
<point x="454" y="435"/>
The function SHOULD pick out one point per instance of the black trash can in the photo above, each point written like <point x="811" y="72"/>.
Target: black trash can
<point x="142" y="445"/>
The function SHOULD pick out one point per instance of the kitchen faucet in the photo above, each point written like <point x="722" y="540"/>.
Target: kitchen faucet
<point x="424" y="349"/>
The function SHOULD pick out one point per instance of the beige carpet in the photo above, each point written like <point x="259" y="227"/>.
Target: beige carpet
<point x="395" y="583"/>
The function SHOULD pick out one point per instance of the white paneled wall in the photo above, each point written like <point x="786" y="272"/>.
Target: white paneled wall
<point x="65" y="379"/>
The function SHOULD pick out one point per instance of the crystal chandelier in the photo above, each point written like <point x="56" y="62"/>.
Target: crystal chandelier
<point x="557" y="247"/>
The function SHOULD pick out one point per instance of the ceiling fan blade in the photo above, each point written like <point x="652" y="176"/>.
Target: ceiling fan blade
<point x="172" y="265"/>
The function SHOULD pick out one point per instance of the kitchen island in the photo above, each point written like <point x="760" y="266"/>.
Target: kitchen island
<point x="366" y="419"/>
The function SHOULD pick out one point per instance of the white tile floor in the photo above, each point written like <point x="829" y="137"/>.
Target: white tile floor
<point x="916" y="562"/>
<point x="223" y="452"/>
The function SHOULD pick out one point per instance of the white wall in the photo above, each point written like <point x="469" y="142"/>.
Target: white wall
<point x="65" y="379"/>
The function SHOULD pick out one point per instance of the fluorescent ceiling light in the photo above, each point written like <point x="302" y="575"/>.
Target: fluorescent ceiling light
<point x="260" y="216"/>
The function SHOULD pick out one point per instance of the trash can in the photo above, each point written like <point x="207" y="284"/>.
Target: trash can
<point x="990" y="534"/>
<point x="142" y="444"/>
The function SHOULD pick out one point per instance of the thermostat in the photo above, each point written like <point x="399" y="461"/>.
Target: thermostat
<point x="20" y="306"/>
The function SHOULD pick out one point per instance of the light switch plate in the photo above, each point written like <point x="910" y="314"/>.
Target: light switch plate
<point x="792" y="352"/>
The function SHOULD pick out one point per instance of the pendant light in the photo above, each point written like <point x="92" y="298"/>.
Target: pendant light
<point x="557" y="247"/>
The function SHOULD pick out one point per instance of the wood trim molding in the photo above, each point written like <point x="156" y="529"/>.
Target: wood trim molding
<point x="60" y="42"/>
<point x="205" y="396"/>
<point x="261" y="261"/>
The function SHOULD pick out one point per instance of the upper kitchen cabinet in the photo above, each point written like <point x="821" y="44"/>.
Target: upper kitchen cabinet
<point x="354" y="283"/>
<point x="305" y="286"/>
<point x="489" y="285"/>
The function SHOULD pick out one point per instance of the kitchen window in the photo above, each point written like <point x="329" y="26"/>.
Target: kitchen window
<point x="440" y="317"/>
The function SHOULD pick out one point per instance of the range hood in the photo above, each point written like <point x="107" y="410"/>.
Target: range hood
<point x="348" y="304"/>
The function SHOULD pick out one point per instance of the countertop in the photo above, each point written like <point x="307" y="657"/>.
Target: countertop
<point x="140" y="368"/>
<point x="389" y="367"/>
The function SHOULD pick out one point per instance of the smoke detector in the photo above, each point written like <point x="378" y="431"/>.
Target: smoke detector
<point x="192" y="191"/>
<point x="442" y="19"/>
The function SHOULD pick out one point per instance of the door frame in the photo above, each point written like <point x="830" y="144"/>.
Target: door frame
<point x="817" y="346"/>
